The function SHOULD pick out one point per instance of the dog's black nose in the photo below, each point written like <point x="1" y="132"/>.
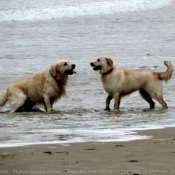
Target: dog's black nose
<point x="92" y="64"/>
<point x="73" y="66"/>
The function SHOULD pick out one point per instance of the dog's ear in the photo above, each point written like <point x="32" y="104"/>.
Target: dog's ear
<point x="53" y="69"/>
<point x="109" y="61"/>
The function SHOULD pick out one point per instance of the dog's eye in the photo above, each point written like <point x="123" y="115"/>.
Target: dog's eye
<point x="98" y="60"/>
<point x="65" y="64"/>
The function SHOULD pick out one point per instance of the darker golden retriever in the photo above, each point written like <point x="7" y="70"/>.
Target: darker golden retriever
<point x="44" y="88"/>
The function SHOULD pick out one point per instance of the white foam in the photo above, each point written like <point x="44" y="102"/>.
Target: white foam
<point x="70" y="9"/>
<point x="50" y="136"/>
<point x="30" y="141"/>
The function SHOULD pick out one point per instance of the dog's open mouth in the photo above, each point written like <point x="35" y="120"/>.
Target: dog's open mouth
<point x="70" y="71"/>
<point x="96" y="67"/>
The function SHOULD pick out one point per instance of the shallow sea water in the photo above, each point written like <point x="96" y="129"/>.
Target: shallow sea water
<point x="138" y="39"/>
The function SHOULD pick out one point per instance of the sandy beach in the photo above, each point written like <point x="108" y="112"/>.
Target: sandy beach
<point x="151" y="156"/>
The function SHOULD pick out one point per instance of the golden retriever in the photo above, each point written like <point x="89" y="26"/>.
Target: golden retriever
<point x="44" y="88"/>
<point x="119" y="82"/>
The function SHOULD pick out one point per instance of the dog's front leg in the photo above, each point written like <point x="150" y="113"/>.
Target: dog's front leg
<point x="108" y="99"/>
<point x="117" y="101"/>
<point x="47" y="103"/>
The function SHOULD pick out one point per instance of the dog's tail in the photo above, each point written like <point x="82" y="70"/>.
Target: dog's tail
<point x="3" y="99"/>
<point x="165" y="76"/>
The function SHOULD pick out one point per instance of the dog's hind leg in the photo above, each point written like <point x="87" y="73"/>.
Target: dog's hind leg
<point x="159" y="98"/>
<point x="108" y="99"/>
<point x="146" y="96"/>
<point x="156" y="91"/>
<point x="16" y="101"/>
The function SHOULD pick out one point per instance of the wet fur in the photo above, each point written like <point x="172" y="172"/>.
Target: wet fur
<point x="44" y="88"/>
<point x="119" y="82"/>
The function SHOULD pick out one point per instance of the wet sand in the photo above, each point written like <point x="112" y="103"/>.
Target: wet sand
<point x="152" y="156"/>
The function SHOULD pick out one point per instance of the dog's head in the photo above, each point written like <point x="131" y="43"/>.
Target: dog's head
<point x="103" y="64"/>
<point x="62" y="67"/>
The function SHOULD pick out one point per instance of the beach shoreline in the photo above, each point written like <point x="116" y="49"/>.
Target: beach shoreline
<point x="150" y="156"/>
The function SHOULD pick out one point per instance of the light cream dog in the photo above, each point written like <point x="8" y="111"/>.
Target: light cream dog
<point x="44" y="88"/>
<point x="119" y="82"/>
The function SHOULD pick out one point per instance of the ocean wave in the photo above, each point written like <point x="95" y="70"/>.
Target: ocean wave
<point x="17" y="11"/>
